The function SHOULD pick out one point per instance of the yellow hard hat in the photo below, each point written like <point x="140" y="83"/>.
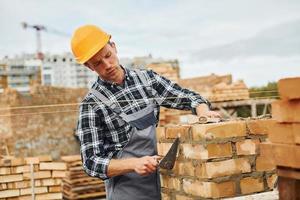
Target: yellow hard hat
<point x="87" y="41"/>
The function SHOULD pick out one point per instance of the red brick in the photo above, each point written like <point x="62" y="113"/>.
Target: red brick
<point x="174" y="184"/>
<point x="288" y="88"/>
<point x="251" y="185"/>
<point x="164" y="181"/>
<point x="265" y="161"/>
<point x="165" y="196"/>
<point x="223" y="168"/>
<point x="160" y="133"/>
<point x="181" y="197"/>
<point x="287" y="133"/>
<point x="178" y="131"/>
<point x="184" y="169"/>
<point x="209" y="189"/>
<point x="163" y="148"/>
<point x="247" y="147"/>
<point x="198" y="151"/>
<point x="286" y="111"/>
<point x="221" y="150"/>
<point x="271" y="181"/>
<point x="260" y="127"/>
<point x="194" y="151"/>
<point x="218" y="130"/>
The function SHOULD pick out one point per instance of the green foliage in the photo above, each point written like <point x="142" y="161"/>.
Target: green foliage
<point x="268" y="91"/>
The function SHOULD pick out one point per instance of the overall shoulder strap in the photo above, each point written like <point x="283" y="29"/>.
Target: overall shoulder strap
<point x="149" y="88"/>
<point x="105" y="100"/>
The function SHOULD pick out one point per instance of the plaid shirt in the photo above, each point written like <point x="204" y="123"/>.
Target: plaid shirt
<point x="102" y="133"/>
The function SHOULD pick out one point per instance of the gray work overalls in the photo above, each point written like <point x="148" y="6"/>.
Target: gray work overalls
<point x="142" y="142"/>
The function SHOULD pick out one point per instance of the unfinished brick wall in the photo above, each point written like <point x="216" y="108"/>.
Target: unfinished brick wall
<point x="18" y="178"/>
<point x="216" y="160"/>
<point x="30" y="127"/>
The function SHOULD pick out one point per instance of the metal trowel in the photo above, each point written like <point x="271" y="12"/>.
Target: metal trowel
<point x="169" y="160"/>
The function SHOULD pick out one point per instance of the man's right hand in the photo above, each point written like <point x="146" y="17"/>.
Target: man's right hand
<point x="146" y="165"/>
<point x="142" y="166"/>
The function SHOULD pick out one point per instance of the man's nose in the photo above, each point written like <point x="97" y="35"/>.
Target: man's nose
<point x="106" y="63"/>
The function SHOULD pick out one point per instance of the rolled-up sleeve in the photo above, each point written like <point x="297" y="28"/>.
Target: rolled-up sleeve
<point x="94" y="158"/>
<point x="174" y="96"/>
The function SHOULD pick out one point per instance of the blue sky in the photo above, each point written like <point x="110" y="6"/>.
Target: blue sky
<point x="257" y="41"/>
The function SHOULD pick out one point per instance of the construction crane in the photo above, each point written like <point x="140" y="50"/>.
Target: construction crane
<point x="38" y="29"/>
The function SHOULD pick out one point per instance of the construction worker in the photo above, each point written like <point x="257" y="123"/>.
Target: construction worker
<point x="119" y="115"/>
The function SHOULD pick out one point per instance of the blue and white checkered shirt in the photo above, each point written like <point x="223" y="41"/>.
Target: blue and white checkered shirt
<point x="102" y="133"/>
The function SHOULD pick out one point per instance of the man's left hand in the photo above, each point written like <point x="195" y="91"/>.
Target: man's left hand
<point x="203" y="111"/>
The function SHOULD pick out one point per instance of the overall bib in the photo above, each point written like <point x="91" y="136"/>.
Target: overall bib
<point x="142" y="142"/>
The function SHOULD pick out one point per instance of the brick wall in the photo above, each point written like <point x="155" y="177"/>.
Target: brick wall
<point x="217" y="160"/>
<point x="37" y="129"/>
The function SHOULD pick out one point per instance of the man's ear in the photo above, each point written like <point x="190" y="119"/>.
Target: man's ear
<point x="88" y="66"/>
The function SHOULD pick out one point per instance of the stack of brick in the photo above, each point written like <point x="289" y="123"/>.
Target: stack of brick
<point x="167" y="70"/>
<point x="77" y="184"/>
<point x="285" y="138"/>
<point x="21" y="177"/>
<point x="229" y="92"/>
<point x="217" y="88"/>
<point x="216" y="160"/>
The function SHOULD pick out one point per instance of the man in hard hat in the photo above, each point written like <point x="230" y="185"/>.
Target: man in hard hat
<point x="118" y="117"/>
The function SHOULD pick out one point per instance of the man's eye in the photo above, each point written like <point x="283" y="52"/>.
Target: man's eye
<point x="108" y="55"/>
<point x="97" y="63"/>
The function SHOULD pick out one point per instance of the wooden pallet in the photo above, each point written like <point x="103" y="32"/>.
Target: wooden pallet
<point x="77" y="184"/>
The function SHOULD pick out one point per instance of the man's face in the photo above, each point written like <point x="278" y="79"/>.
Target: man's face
<point x="105" y="62"/>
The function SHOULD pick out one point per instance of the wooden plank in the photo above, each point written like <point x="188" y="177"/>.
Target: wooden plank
<point x="286" y="111"/>
<point x="71" y="158"/>
<point x="8" y="162"/>
<point x="58" y="174"/>
<point x="11" y="178"/>
<point x="9" y="193"/>
<point x="53" y="166"/>
<point x="288" y="172"/>
<point x="288" y="88"/>
<point x="37" y="175"/>
<point x="49" y="196"/>
<point x="286" y="155"/>
<point x="288" y="188"/>
<point x="5" y="170"/>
